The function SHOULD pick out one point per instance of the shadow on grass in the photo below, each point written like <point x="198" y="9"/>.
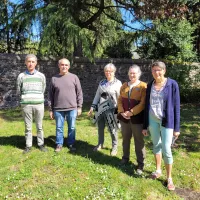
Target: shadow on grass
<point x="19" y="141"/>
<point x="85" y="150"/>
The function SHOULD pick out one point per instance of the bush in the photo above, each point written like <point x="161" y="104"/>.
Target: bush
<point x="187" y="75"/>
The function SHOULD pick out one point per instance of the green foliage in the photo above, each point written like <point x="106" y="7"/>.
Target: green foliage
<point x="169" y="39"/>
<point x="122" y="46"/>
<point x="62" y="34"/>
<point x="94" y="28"/>
<point x="194" y="18"/>
<point x="188" y="77"/>
<point x="15" y="27"/>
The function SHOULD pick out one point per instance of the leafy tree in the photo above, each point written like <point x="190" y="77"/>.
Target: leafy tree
<point x="70" y="29"/>
<point x="169" y="39"/>
<point x="122" y="48"/>
<point x="194" y="18"/>
<point x="15" y="30"/>
<point x="88" y="28"/>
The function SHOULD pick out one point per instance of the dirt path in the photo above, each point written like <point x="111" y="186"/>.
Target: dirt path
<point x="187" y="194"/>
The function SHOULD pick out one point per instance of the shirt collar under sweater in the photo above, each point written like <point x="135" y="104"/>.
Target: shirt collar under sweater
<point x="27" y="72"/>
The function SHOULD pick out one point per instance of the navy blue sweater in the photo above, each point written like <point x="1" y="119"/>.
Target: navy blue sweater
<point x="171" y="106"/>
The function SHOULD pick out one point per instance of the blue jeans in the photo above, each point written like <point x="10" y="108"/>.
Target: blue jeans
<point x="161" y="138"/>
<point x="70" y="117"/>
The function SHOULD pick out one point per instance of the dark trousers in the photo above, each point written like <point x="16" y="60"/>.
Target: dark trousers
<point x="135" y="130"/>
<point x="101" y="127"/>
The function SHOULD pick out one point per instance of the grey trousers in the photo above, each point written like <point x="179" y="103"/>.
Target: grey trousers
<point x="36" y="111"/>
<point x="101" y="127"/>
<point x="135" y="130"/>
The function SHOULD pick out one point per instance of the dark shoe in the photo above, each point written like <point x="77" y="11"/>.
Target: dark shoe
<point x="124" y="161"/>
<point x="71" y="148"/>
<point x="27" y="150"/>
<point x="43" y="149"/>
<point x="58" y="148"/>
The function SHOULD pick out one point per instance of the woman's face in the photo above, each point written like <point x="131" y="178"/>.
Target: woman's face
<point x="133" y="75"/>
<point x="109" y="73"/>
<point x="158" y="73"/>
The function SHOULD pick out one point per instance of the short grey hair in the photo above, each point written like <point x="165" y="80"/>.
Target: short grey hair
<point x="135" y="67"/>
<point x="159" y="64"/>
<point x="30" y="56"/>
<point x="64" y="59"/>
<point x="110" y="65"/>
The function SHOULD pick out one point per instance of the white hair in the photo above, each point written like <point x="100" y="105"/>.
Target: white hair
<point x="63" y="59"/>
<point x="110" y="66"/>
<point x="135" y="67"/>
<point x="30" y="56"/>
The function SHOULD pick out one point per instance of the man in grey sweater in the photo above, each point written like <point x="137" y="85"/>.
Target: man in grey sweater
<point x="31" y="85"/>
<point x="65" y="102"/>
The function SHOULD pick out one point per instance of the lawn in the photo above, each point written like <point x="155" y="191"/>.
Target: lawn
<point x="91" y="175"/>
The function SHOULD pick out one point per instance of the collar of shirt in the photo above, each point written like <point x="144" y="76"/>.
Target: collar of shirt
<point x="27" y="72"/>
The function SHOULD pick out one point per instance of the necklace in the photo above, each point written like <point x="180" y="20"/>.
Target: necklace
<point x="159" y="85"/>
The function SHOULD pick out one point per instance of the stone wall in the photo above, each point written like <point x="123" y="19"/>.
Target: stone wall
<point x="89" y="73"/>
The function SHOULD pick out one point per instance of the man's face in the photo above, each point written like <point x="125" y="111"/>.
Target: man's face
<point x="64" y="66"/>
<point x="31" y="64"/>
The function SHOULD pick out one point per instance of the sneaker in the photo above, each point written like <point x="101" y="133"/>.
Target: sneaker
<point x="98" y="147"/>
<point x="170" y="185"/>
<point x="58" y="148"/>
<point x="27" y="150"/>
<point x="113" y="152"/>
<point x="43" y="149"/>
<point x="71" y="148"/>
<point x="139" y="172"/>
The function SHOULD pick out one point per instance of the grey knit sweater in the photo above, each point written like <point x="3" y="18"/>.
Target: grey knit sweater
<point x="65" y="92"/>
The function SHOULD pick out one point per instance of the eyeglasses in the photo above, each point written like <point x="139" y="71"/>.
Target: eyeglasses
<point x="156" y="70"/>
<point x="107" y="71"/>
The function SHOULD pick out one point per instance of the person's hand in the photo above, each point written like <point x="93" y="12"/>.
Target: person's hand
<point x="79" y="111"/>
<point x="51" y="114"/>
<point x="128" y="114"/>
<point x="145" y="132"/>
<point x="176" y="134"/>
<point x="124" y="115"/>
<point x="90" y="111"/>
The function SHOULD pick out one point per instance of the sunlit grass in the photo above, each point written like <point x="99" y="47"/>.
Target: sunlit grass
<point x="86" y="174"/>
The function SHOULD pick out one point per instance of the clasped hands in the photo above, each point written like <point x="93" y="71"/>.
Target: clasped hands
<point x="127" y="114"/>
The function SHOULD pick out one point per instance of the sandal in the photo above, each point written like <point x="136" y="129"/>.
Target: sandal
<point x="156" y="174"/>
<point x="170" y="185"/>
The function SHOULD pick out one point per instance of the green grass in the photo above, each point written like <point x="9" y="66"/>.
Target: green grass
<point x="86" y="174"/>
